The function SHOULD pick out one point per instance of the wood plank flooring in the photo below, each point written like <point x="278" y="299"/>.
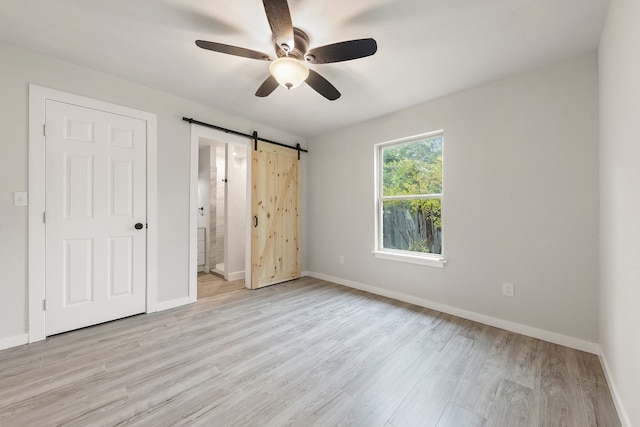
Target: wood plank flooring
<point x="210" y="285"/>
<point x="303" y="353"/>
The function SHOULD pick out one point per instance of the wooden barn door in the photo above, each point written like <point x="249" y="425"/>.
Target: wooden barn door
<point x="275" y="249"/>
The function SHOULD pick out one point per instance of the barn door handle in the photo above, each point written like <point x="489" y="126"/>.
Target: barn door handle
<point x="139" y="226"/>
<point x="255" y="218"/>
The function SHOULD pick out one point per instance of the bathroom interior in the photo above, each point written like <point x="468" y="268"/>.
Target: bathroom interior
<point x="222" y="207"/>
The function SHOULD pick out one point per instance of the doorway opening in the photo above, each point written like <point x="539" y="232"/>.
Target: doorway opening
<point x="212" y="179"/>
<point x="221" y="205"/>
<point x="271" y="217"/>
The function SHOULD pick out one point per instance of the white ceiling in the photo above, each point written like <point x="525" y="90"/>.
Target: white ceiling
<point x="426" y="48"/>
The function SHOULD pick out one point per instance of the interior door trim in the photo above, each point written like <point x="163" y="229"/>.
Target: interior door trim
<point x="38" y="96"/>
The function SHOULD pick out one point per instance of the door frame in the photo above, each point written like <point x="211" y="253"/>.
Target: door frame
<point x="197" y="132"/>
<point x="38" y="96"/>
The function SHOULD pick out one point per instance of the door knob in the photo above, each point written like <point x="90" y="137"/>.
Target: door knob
<point x="139" y="226"/>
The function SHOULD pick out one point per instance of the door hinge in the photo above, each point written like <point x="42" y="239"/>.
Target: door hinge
<point x="44" y="217"/>
<point x="44" y="130"/>
<point x="44" y="304"/>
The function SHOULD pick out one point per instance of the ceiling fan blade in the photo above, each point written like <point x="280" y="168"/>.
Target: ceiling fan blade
<point x="343" y="51"/>
<point x="279" y="19"/>
<point x="268" y="86"/>
<point x="233" y="50"/>
<point x="322" y="86"/>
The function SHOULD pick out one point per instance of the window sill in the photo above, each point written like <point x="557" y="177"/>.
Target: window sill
<point x="431" y="261"/>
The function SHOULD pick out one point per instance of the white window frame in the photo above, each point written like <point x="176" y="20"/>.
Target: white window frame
<point x="431" y="260"/>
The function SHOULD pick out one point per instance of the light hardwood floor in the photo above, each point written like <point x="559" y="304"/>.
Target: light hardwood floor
<point x="304" y="353"/>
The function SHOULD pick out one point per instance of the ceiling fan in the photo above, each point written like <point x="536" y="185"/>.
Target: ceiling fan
<point x="290" y="68"/>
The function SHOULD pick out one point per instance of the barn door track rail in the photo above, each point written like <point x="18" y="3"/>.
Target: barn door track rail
<point x="253" y="136"/>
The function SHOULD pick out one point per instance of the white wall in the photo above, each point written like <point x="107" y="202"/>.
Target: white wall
<point x="204" y="183"/>
<point x="520" y="202"/>
<point x="620" y="203"/>
<point x="219" y="154"/>
<point x="20" y="67"/>
<point x="204" y="194"/>
<point x="236" y="210"/>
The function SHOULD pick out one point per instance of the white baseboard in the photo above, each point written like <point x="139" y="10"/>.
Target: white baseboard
<point x="14" y="341"/>
<point x="553" y="337"/>
<point x="622" y="414"/>
<point x="238" y="275"/>
<point x="166" y="305"/>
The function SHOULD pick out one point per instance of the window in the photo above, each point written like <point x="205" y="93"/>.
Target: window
<point x="409" y="200"/>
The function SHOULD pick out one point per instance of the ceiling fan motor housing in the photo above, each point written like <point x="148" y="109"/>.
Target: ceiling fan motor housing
<point x="301" y="40"/>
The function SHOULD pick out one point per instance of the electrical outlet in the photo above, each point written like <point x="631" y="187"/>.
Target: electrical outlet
<point x="507" y="289"/>
<point x="341" y="260"/>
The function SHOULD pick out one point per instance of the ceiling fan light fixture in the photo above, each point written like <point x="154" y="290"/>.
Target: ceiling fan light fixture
<point x="289" y="72"/>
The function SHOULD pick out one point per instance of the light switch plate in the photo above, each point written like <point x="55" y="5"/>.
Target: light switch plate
<point x="20" y="198"/>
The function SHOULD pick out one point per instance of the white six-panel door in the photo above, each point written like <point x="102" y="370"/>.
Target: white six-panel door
<point x="95" y="196"/>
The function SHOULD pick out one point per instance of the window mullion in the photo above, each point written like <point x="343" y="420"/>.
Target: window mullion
<point x="412" y="197"/>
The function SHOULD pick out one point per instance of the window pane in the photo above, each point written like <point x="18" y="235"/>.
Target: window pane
<point x="412" y="225"/>
<point x="412" y="168"/>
